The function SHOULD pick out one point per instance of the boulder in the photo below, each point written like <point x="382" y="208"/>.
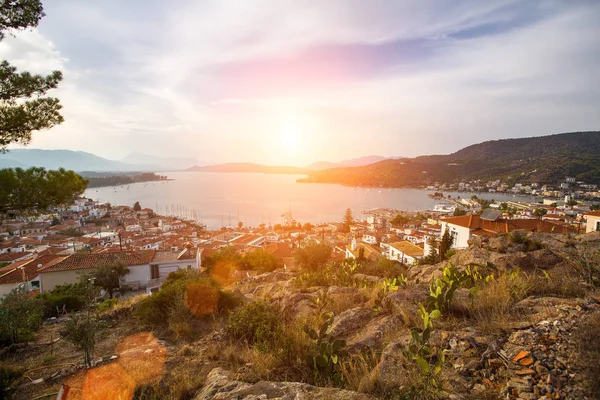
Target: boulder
<point x="392" y="365"/>
<point x="407" y="298"/>
<point x="337" y="293"/>
<point x="220" y="385"/>
<point x="371" y="337"/>
<point x="350" y="321"/>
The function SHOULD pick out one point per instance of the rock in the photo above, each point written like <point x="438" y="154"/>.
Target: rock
<point x="406" y="298"/>
<point x="220" y="385"/>
<point x="368" y="279"/>
<point x="372" y="335"/>
<point x="391" y="364"/>
<point x="337" y="293"/>
<point x="350" y="321"/>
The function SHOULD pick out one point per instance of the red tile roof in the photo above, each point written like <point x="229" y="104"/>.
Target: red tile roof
<point x="593" y="213"/>
<point x="476" y="224"/>
<point x="80" y="261"/>
<point x="29" y="270"/>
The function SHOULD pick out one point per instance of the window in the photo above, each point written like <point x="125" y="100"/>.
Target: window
<point x="454" y="236"/>
<point x="598" y="226"/>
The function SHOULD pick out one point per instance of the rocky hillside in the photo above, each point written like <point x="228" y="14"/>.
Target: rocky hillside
<point x="522" y="322"/>
<point x="544" y="159"/>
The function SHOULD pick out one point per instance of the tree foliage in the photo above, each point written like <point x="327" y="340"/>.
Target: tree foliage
<point x="259" y="260"/>
<point x="19" y="313"/>
<point x="137" y="207"/>
<point x="23" y="107"/>
<point x="313" y="255"/>
<point x="37" y="189"/>
<point x="348" y="219"/>
<point x="108" y="276"/>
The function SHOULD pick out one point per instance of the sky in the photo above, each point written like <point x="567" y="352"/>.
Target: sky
<point x="285" y="82"/>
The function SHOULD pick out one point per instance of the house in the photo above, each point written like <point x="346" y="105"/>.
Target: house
<point x="165" y="262"/>
<point x="592" y="221"/>
<point x="35" y="229"/>
<point x="369" y="252"/>
<point x="489" y="223"/>
<point x="15" y="257"/>
<point x="71" y="268"/>
<point x="405" y="252"/>
<point x="25" y="274"/>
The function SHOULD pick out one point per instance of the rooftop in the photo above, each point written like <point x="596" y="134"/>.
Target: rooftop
<point x="80" y="261"/>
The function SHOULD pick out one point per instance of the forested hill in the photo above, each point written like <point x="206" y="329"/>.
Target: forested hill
<point x="543" y="159"/>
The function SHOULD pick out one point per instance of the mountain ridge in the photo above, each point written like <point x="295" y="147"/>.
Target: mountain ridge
<point x="542" y="159"/>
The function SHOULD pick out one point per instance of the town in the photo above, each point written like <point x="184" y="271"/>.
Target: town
<point x="42" y="252"/>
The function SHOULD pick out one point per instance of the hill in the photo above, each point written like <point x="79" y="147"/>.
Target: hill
<point x="355" y="162"/>
<point x="165" y="162"/>
<point x="544" y="159"/>
<point x="69" y="159"/>
<point x="249" y="167"/>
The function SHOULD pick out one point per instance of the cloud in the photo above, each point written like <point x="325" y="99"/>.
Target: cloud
<point x="220" y="80"/>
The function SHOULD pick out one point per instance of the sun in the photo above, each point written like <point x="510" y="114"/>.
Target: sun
<point x="291" y="138"/>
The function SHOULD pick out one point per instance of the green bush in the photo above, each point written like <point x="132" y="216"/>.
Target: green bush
<point x="107" y="305"/>
<point x="72" y="296"/>
<point x="258" y="323"/>
<point x="8" y="374"/>
<point x="154" y="310"/>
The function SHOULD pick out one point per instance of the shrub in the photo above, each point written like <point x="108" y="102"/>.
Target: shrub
<point x="107" y="305"/>
<point x="313" y="255"/>
<point x="154" y="309"/>
<point x="258" y="323"/>
<point x="71" y="296"/>
<point x="8" y="374"/>
<point x="325" y="362"/>
<point x="20" y="316"/>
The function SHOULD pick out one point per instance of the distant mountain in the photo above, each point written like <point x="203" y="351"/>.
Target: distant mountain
<point x="165" y="162"/>
<point x="543" y="159"/>
<point x="355" y="162"/>
<point x="75" y="160"/>
<point x="248" y="167"/>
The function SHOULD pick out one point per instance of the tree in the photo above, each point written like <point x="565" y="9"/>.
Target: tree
<point x="23" y="109"/>
<point x="399" y="220"/>
<point x="361" y="254"/>
<point x="540" y="212"/>
<point x="259" y="260"/>
<point x="83" y="331"/>
<point x="108" y="276"/>
<point x="240" y="224"/>
<point x="308" y="227"/>
<point x="572" y="202"/>
<point x="458" y="212"/>
<point x="348" y="219"/>
<point x="19" y="313"/>
<point x="37" y="190"/>
<point x="313" y="255"/>
<point x="137" y="207"/>
<point x="445" y="244"/>
<point x="595" y="206"/>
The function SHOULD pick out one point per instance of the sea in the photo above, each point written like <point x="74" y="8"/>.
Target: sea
<point x="224" y="199"/>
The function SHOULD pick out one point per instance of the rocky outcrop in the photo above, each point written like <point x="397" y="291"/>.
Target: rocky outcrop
<point x="220" y="385"/>
<point x="371" y="337"/>
<point x="350" y="321"/>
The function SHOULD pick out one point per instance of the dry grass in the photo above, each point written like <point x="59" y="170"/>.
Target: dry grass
<point x="357" y="370"/>
<point x="342" y="303"/>
<point x="559" y="282"/>
<point x="492" y="307"/>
